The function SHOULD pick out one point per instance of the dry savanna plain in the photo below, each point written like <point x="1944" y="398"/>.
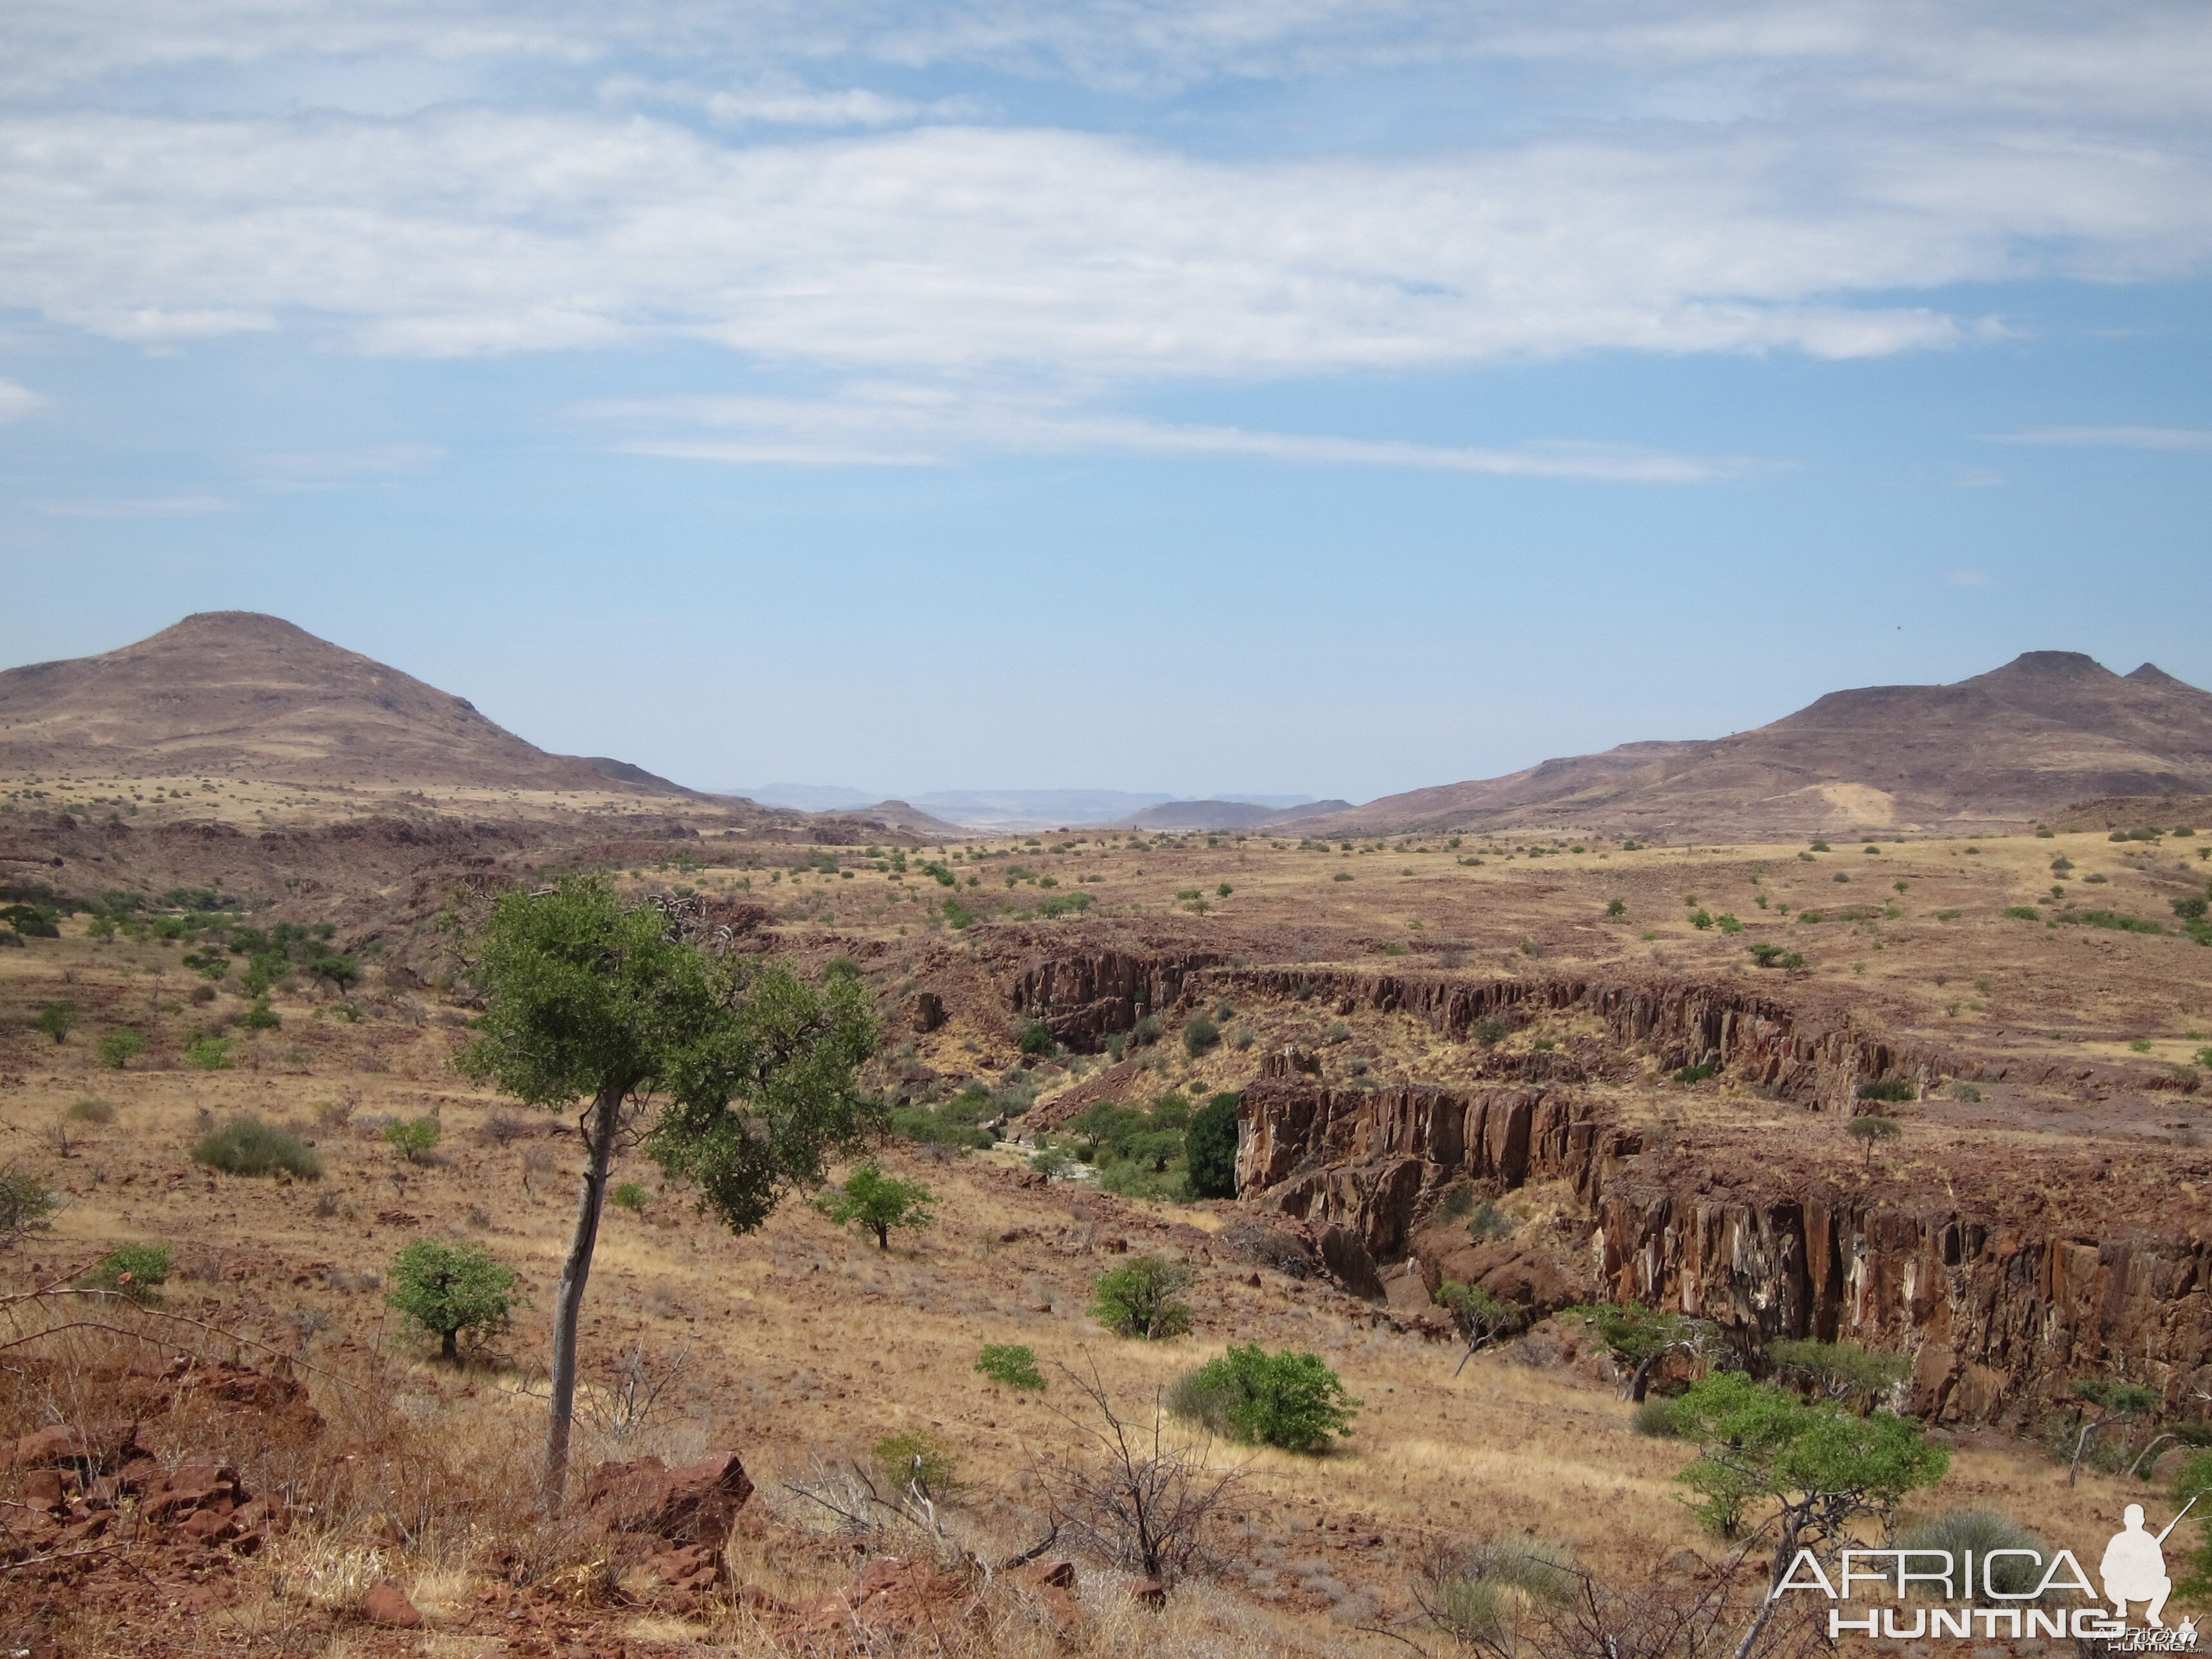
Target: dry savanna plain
<point x="2059" y="1056"/>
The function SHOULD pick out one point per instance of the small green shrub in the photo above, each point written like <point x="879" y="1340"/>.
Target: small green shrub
<point x="1698" y="1073"/>
<point x="120" y="1047"/>
<point x="1036" y="1038"/>
<point x="1489" y="1032"/>
<point x="25" y="1201"/>
<point x="260" y="1017"/>
<point x="209" y="1054"/>
<point x="919" y="1460"/>
<point x="1764" y="955"/>
<point x="1948" y="915"/>
<point x="451" y="1289"/>
<point x="1011" y="1365"/>
<point x="1655" y="1419"/>
<point x="1726" y="923"/>
<point x="247" y="1147"/>
<point x="1888" y="1088"/>
<point x="137" y="1271"/>
<point x="2022" y="913"/>
<point x="1616" y="907"/>
<point x="413" y="1138"/>
<point x="1983" y="1531"/>
<point x="90" y="1111"/>
<point x="630" y="1196"/>
<point x="1289" y="1400"/>
<point x="1701" y="918"/>
<point x="58" y="1020"/>
<point x="1142" y="1298"/>
<point x="1199" y="1034"/>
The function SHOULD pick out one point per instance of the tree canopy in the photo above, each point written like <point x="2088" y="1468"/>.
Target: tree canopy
<point x="732" y="1073"/>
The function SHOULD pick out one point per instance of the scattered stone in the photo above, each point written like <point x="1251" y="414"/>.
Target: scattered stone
<point x="387" y="1604"/>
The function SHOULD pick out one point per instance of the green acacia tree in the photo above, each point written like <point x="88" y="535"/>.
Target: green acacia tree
<point x="1818" y="1469"/>
<point x="1209" y="1147"/>
<point x="734" y="1075"/>
<point x="878" y="1202"/>
<point x="447" y="1289"/>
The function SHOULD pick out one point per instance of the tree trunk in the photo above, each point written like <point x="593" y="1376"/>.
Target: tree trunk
<point x="449" y="1346"/>
<point x="883" y="1236"/>
<point x="1640" y="1381"/>
<point x="568" y="1299"/>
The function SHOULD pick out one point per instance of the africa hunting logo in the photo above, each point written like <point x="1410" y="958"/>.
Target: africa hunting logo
<point x="2132" y="1572"/>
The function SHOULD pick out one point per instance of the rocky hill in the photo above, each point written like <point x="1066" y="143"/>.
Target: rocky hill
<point x="2005" y="748"/>
<point x="235" y="693"/>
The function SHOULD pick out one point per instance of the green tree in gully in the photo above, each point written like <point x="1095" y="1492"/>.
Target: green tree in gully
<point x="1209" y="1145"/>
<point x="734" y="1075"/>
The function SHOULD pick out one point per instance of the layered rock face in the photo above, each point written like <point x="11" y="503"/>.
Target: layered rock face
<point x="2003" y="1292"/>
<point x="2000" y="1319"/>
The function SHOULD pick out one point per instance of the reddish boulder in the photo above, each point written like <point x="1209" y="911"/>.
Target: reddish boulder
<point x="387" y="1604"/>
<point x="194" y="1487"/>
<point x="891" y="1595"/>
<point x="697" y="1505"/>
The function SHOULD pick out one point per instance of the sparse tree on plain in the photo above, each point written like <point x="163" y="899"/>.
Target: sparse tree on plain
<point x="878" y="1202"/>
<point x="734" y="1073"/>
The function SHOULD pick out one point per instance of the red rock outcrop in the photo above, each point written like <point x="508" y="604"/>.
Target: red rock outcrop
<point x="2000" y="1316"/>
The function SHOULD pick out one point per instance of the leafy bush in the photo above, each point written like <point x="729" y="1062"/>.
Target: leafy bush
<point x="1036" y="1038"/>
<point x="1728" y="923"/>
<point x="1210" y="1148"/>
<point x="209" y="1054"/>
<point x="90" y="1111"/>
<point x="1701" y="918"/>
<point x="1888" y="1088"/>
<point x="919" y="1460"/>
<point x="247" y="1147"/>
<point x="1199" y="1034"/>
<point x="1616" y="907"/>
<point x="1698" y="1073"/>
<point x="449" y="1288"/>
<point x="1289" y="1400"/>
<point x="1142" y="1298"/>
<point x="1655" y="1419"/>
<point x="2022" y="913"/>
<point x="260" y="1017"/>
<point x="120" y="1047"/>
<point x="25" y="1201"/>
<point x="1011" y="1364"/>
<point x="412" y="1137"/>
<point x="630" y="1196"/>
<point x="137" y="1271"/>
<point x="2112" y="918"/>
<point x="1767" y="956"/>
<point x="878" y="1202"/>
<point x="1983" y="1531"/>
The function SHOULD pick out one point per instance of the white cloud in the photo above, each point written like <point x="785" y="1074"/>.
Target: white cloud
<point x="1076" y="254"/>
<point x="157" y="507"/>
<point x="17" y="401"/>
<point x="893" y="425"/>
<point x="2113" y="437"/>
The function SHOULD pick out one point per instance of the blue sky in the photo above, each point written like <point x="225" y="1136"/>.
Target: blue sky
<point x="1290" y="397"/>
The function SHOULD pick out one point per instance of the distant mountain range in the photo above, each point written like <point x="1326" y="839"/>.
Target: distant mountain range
<point x="236" y="694"/>
<point x="1048" y="809"/>
<point x="2009" y="748"/>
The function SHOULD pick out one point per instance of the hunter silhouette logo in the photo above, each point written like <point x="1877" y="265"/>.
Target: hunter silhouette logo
<point x="2134" y="1567"/>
